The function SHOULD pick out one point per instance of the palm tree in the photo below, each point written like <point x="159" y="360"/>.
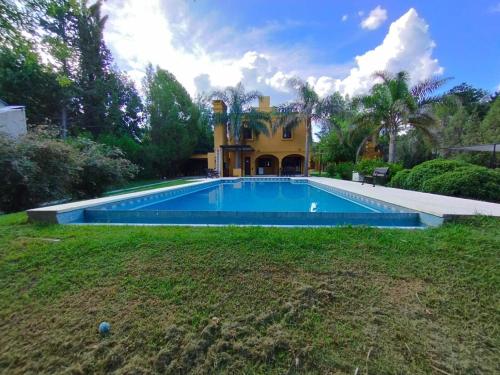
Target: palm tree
<point x="392" y="106"/>
<point x="340" y="134"/>
<point x="305" y="109"/>
<point x="240" y="115"/>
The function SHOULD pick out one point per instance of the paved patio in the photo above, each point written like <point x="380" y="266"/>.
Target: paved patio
<point x="434" y="204"/>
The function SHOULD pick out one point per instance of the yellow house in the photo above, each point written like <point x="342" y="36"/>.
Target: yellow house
<point x="281" y="153"/>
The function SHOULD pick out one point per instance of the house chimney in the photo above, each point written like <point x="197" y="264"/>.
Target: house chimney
<point x="264" y="103"/>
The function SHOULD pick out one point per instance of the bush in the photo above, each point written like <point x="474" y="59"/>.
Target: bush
<point x="471" y="181"/>
<point x="399" y="179"/>
<point x="100" y="167"/>
<point x="36" y="170"/>
<point x="429" y="169"/>
<point x="367" y="166"/>
<point x="342" y="170"/>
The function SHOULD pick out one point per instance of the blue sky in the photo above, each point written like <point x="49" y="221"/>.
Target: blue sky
<point x="335" y="45"/>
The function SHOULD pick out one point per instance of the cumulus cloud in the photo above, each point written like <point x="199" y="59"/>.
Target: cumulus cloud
<point x="164" y="33"/>
<point x="407" y="46"/>
<point x="345" y="17"/>
<point x="375" y="19"/>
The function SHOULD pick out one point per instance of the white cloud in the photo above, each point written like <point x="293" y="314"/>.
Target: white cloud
<point x="407" y="46"/>
<point x="345" y="17"/>
<point x="375" y="19"/>
<point x="495" y="8"/>
<point x="165" y="33"/>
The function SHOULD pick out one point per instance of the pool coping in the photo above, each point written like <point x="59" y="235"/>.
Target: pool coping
<point x="437" y="206"/>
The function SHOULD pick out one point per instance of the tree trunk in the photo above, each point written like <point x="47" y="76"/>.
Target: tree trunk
<point x="64" y="121"/>
<point x="392" y="146"/>
<point x="306" y="161"/>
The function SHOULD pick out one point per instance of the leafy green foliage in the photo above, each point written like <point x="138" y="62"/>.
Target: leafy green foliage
<point x="399" y="179"/>
<point x="99" y="167"/>
<point x="451" y="177"/>
<point x="306" y="108"/>
<point x="413" y="148"/>
<point x="490" y="126"/>
<point x="172" y="120"/>
<point x="432" y="168"/>
<point x="342" y="170"/>
<point x="36" y="170"/>
<point x="24" y="80"/>
<point x="470" y="181"/>
<point x="393" y="105"/>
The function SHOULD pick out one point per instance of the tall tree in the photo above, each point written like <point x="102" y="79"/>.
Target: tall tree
<point x="393" y="105"/>
<point x="24" y="80"/>
<point x="12" y="21"/>
<point x="490" y="126"/>
<point x="305" y="109"/>
<point x="473" y="99"/>
<point x="170" y="116"/>
<point x="241" y="115"/>
<point x="95" y="66"/>
<point x="124" y="109"/>
<point x="205" y="126"/>
<point x="59" y="29"/>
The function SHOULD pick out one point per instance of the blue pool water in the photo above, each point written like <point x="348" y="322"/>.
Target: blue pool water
<point x="250" y="201"/>
<point x="248" y="196"/>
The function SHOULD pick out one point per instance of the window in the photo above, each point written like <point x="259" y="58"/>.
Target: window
<point x="247" y="133"/>
<point x="287" y="133"/>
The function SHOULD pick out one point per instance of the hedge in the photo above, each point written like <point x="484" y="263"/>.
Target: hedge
<point x="429" y="169"/>
<point x="451" y="177"/>
<point x="473" y="182"/>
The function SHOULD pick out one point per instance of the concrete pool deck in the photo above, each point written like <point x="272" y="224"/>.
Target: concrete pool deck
<point x="433" y="204"/>
<point x="437" y="205"/>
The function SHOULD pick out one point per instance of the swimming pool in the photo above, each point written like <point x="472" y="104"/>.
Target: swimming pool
<point x="247" y="201"/>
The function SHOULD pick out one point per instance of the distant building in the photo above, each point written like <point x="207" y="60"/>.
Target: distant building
<point x="280" y="153"/>
<point x="12" y="120"/>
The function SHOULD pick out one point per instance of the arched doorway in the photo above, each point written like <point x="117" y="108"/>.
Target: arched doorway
<point x="292" y="165"/>
<point x="266" y="165"/>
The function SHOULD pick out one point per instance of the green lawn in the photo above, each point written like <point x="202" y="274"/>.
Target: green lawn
<point x="249" y="300"/>
<point x="136" y="186"/>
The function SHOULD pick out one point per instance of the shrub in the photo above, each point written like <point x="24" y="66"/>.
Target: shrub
<point x="342" y="170"/>
<point x="399" y="179"/>
<point x="471" y="181"/>
<point x="36" y="170"/>
<point x="429" y="169"/>
<point x="367" y="166"/>
<point x="100" y="166"/>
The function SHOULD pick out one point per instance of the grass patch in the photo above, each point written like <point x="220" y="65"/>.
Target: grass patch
<point x="249" y="300"/>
